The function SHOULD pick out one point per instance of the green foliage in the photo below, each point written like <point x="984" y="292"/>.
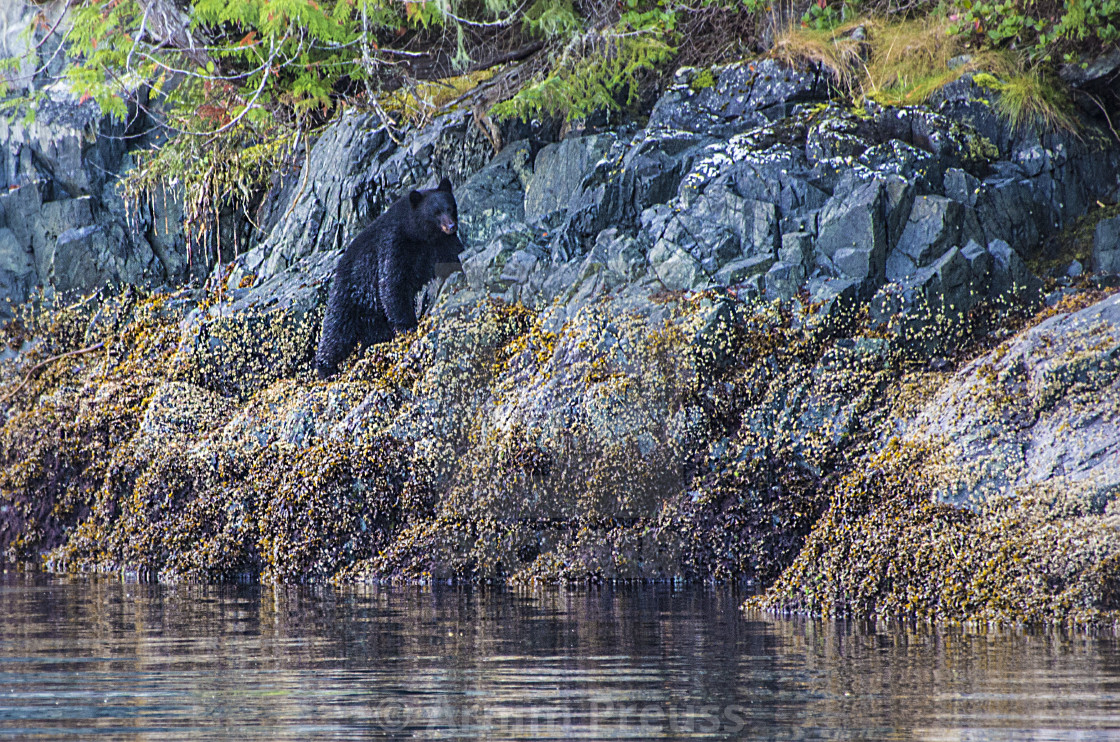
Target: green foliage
<point x="822" y="15"/>
<point x="210" y="67"/>
<point x="229" y="171"/>
<point x="552" y="19"/>
<point x="289" y="60"/>
<point x="597" y="68"/>
<point x="1050" y="30"/>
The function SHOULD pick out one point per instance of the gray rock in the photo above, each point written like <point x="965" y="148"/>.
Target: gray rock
<point x="1036" y="412"/>
<point x="15" y="20"/>
<point x="900" y="194"/>
<point x="754" y="223"/>
<point x="952" y="143"/>
<point x="76" y="255"/>
<point x="590" y="283"/>
<point x="520" y="265"/>
<point x="653" y="167"/>
<point x="743" y="94"/>
<point x="933" y="226"/>
<point x="17" y="272"/>
<point x="1032" y="160"/>
<point x="784" y="280"/>
<point x="961" y="186"/>
<point x="834" y="302"/>
<point x="55" y="218"/>
<point x="842" y="381"/>
<point x="855" y="222"/>
<point x="598" y="202"/>
<point x="836" y="133"/>
<point x="921" y="313"/>
<point x="740" y="270"/>
<point x="625" y="255"/>
<point x="676" y="268"/>
<point x="798" y="196"/>
<point x="854" y="262"/>
<point x="980" y="265"/>
<point x="1010" y="275"/>
<point x="1106" y="246"/>
<point x="716" y="227"/>
<point x="488" y="268"/>
<point x="797" y="248"/>
<point x="806" y="223"/>
<point x="493" y="198"/>
<point x="558" y="171"/>
<point x="912" y="164"/>
<point x="1053" y="298"/>
<point x="59" y="176"/>
<point x="955" y="277"/>
<point x="1008" y="212"/>
<point x="1103" y="65"/>
<point x="164" y="219"/>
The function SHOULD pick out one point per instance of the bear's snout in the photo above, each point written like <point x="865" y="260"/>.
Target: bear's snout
<point x="447" y="225"/>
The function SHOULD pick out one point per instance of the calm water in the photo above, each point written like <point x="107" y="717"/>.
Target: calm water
<point x="99" y="659"/>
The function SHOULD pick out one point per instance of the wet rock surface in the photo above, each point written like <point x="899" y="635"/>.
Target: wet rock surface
<point x="761" y="333"/>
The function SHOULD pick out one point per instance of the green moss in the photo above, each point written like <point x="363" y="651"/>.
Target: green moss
<point x="703" y="80"/>
<point x="987" y="81"/>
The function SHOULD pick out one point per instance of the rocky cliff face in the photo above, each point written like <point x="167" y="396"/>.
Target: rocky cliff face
<point x="757" y="182"/>
<point x="65" y="230"/>
<point x="719" y="346"/>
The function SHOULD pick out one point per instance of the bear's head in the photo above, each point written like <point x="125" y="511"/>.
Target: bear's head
<point x="435" y="211"/>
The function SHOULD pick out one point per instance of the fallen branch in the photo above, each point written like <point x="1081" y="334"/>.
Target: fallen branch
<point x="494" y="81"/>
<point x="514" y="56"/>
<point x="42" y="364"/>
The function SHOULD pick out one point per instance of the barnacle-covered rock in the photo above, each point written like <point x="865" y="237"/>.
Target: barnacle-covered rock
<point x="261" y="333"/>
<point x="742" y="95"/>
<point x="885" y="548"/>
<point x="1037" y="410"/>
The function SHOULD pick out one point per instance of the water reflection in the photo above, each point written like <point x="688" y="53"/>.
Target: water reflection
<point x="83" y="658"/>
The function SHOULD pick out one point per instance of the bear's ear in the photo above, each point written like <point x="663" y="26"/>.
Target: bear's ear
<point x="444" y="185"/>
<point x="415" y="198"/>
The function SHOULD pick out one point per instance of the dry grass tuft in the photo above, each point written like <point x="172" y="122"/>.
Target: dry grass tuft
<point x="903" y="63"/>
<point x="834" y="50"/>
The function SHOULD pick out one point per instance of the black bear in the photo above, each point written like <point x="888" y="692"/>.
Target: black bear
<point x="373" y="295"/>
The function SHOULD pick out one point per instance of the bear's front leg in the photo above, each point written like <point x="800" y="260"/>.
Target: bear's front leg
<point x="397" y="294"/>
<point x="338" y="336"/>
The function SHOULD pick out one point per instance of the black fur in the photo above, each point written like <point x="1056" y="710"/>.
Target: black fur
<point x="373" y="294"/>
